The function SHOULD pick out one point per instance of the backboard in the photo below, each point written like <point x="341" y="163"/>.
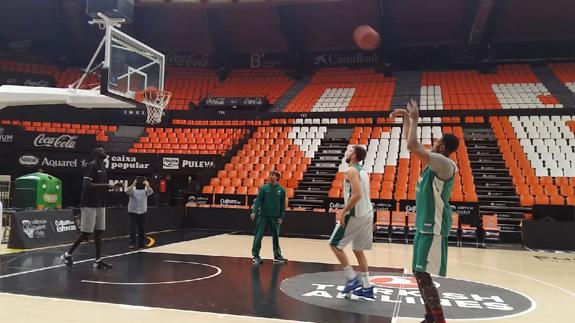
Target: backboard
<point x="130" y="66"/>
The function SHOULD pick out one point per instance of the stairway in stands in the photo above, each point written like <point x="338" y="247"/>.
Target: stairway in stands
<point x="290" y="94"/>
<point x="316" y="183"/>
<point x="494" y="185"/>
<point x="563" y="94"/>
<point x="407" y="86"/>
<point x="123" y="139"/>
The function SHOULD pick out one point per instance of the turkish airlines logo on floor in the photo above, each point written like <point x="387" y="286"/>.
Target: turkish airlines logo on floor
<point x="460" y="299"/>
<point x="395" y="282"/>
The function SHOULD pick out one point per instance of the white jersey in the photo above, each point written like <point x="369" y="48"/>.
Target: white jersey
<point x="364" y="206"/>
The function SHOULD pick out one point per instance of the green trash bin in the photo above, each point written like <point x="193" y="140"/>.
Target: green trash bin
<point x="39" y="191"/>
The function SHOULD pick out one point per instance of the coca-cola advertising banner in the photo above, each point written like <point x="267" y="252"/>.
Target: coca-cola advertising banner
<point x="9" y="78"/>
<point x="55" y="141"/>
<point x="342" y="58"/>
<point x="62" y="162"/>
<point x="130" y="163"/>
<point x="237" y="102"/>
<point x="187" y="59"/>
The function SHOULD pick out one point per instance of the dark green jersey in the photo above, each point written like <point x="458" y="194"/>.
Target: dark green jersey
<point x="271" y="201"/>
<point x="432" y="197"/>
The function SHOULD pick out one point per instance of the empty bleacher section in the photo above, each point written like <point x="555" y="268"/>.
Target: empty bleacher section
<point x="341" y="89"/>
<point x="506" y="165"/>
<point x="188" y="86"/>
<point x="270" y="148"/>
<point x="510" y="87"/>
<point x="541" y="167"/>
<point x="30" y="68"/>
<point x="407" y="86"/>
<point x="394" y="171"/>
<point x="566" y="73"/>
<point x="316" y="183"/>
<point x="494" y="185"/>
<point x="101" y="131"/>
<point x="190" y="141"/>
<point x="270" y="83"/>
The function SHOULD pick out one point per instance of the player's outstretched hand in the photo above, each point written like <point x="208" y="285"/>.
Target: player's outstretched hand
<point x="399" y="113"/>
<point x="413" y="109"/>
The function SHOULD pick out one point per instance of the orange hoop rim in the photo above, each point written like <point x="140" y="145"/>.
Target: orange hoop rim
<point x="153" y="96"/>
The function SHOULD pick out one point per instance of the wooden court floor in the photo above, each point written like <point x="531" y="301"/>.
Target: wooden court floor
<point x="52" y="293"/>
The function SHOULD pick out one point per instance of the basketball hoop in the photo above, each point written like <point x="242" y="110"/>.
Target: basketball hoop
<point x="155" y="102"/>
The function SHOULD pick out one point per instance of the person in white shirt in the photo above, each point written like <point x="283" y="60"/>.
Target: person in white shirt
<point x="137" y="209"/>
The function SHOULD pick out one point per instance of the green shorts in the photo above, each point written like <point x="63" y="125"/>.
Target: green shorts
<point x="430" y="254"/>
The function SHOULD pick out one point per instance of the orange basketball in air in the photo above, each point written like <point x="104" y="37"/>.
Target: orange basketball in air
<point x="366" y="37"/>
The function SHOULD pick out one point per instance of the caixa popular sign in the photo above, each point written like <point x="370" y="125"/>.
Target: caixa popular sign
<point x="130" y="163"/>
<point x="55" y="141"/>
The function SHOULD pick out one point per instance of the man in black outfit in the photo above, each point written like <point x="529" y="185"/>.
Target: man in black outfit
<point x="93" y="211"/>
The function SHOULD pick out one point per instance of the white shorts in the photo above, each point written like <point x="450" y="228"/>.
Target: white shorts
<point x="92" y="218"/>
<point x="358" y="231"/>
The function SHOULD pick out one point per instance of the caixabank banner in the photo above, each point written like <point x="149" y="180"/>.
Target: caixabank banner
<point x="341" y="58"/>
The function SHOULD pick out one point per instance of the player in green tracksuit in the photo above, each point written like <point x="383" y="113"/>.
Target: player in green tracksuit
<point x="269" y="210"/>
<point x="433" y="212"/>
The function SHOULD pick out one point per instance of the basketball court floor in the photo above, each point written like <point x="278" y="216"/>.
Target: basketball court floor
<point x="201" y="276"/>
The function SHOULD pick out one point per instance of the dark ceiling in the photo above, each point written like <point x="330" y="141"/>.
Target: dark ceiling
<point x="459" y="28"/>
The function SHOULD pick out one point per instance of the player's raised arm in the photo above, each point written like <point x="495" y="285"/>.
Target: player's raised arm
<point x="413" y="143"/>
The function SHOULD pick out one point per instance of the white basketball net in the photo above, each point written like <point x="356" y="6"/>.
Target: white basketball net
<point x="155" y="102"/>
